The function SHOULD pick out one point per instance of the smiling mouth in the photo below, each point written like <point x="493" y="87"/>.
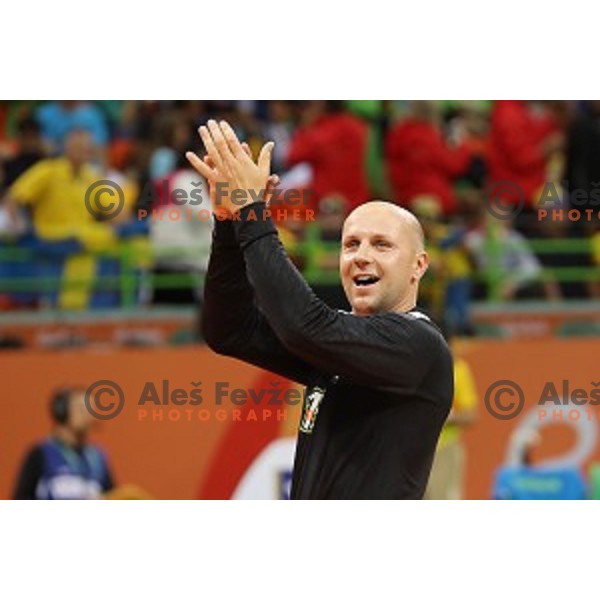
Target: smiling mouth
<point x="365" y="281"/>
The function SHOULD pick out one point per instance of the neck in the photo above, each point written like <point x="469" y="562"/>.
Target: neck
<point x="68" y="436"/>
<point x="406" y="304"/>
<point x="76" y="166"/>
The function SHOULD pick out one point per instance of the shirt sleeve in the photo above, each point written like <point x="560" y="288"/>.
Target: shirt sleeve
<point x="385" y="350"/>
<point x="30" y="186"/>
<point x="29" y="475"/>
<point x="231" y="322"/>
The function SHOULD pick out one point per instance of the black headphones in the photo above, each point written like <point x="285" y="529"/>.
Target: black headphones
<point x="59" y="405"/>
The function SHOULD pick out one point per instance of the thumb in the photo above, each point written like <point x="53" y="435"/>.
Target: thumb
<point x="264" y="158"/>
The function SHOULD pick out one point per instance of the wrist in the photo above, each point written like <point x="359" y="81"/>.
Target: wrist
<point x="239" y="206"/>
<point x="252" y="222"/>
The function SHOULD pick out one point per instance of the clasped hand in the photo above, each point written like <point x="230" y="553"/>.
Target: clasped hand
<point x="234" y="179"/>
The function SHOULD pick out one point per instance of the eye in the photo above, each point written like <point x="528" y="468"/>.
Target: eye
<point x="350" y="244"/>
<point x="382" y="244"/>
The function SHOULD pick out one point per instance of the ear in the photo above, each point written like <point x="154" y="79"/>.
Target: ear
<point x="422" y="263"/>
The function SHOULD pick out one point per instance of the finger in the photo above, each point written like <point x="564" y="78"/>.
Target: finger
<point x="264" y="158"/>
<point x="272" y="184"/>
<point x="209" y="161"/>
<point x="232" y="140"/>
<point x="199" y="165"/>
<point x="210" y="146"/>
<point x="220" y="143"/>
<point x="247" y="149"/>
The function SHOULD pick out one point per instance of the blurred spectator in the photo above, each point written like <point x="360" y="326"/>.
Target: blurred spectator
<point x="293" y="233"/>
<point x="332" y="213"/>
<point x="65" y="466"/>
<point x="524" y="136"/>
<point x="376" y="114"/>
<point x="323" y="261"/>
<point x="54" y="189"/>
<point x="181" y="233"/>
<point x="447" y="285"/>
<point x="447" y="478"/>
<point x="29" y="150"/>
<point x="334" y="143"/>
<point x="504" y="257"/>
<point x="176" y="140"/>
<point x="59" y="119"/>
<point x="279" y="128"/>
<point x="420" y="162"/>
<point x="469" y="126"/>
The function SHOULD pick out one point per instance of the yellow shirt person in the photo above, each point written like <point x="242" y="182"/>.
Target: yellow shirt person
<point x="56" y="195"/>
<point x="447" y="474"/>
<point x="465" y="401"/>
<point x="55" y="191"/>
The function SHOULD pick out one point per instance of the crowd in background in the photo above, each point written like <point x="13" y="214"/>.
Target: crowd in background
<point x="439" y="159"/>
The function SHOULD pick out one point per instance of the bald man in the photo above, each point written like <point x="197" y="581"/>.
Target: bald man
<point x="379" y="381"/>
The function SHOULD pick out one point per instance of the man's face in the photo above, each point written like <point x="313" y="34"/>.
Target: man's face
<point x="79" y="147"/>
<point x="80" y="419"/>
<point x="378" y="260"/>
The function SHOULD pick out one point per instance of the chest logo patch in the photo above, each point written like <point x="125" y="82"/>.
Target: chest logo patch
<point x="312" y="401"/>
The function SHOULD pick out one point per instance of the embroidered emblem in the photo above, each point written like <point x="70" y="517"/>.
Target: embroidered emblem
<point x="312" y="402"/>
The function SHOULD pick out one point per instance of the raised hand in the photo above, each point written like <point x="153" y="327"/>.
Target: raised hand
<point x="235" y="180"/>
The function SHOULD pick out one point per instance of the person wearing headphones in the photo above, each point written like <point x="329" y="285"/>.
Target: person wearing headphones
<point x="65" y="466"/>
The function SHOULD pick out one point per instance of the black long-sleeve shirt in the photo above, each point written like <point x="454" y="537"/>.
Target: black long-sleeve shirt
<point x="379" y="388"/>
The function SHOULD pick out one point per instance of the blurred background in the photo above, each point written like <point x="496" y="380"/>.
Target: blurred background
<point x="86" y="295"/>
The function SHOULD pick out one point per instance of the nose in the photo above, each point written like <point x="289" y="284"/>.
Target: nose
<point x="362" y="257"/>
